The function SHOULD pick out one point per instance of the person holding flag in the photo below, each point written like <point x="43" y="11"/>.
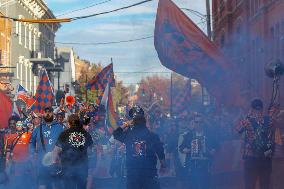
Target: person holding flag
<point x="142" y="149"/>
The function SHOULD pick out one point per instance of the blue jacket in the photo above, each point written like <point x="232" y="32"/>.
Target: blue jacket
<point x="50" y="135"/>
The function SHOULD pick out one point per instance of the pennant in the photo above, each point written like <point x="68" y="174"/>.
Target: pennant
<point x="44" y="93"/>
<point x="23" y="95"/>
<point x="183" y="48"/>
<point x="5" y="110"/>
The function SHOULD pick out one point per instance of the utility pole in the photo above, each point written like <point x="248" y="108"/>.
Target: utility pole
<point x="208" y="19"/>
<point x="209" y="33"/>
<point x="171" y="106"/>
<point x="86" y="90"/>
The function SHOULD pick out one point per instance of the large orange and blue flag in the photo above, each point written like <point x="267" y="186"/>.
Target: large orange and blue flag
<point x="185" y="49"/>
<point x="44" y="94"/>
<point x="101" y="80"/>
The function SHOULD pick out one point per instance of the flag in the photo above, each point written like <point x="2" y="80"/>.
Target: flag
<point x="44" y="94"/>
<point x="23" y="95"/>
<point x="181" y="101"/>
<point x="111" y="115"/>
<point x="185" y="49"/>
<point x="101" y="80"/>
<point x="5" y="110"/>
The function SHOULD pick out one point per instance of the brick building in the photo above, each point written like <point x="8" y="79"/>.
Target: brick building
<point x="31" y="44"/>
<point x="5" y="44"/>
<point x="251" y="32"/>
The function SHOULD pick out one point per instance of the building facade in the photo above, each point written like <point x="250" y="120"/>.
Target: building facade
<point x="251" y="33"/>
<point x="79" y="66"/>
<point x="5" y="44"/>
<point x="32" y="44"/>
<point x="68" y="76"/>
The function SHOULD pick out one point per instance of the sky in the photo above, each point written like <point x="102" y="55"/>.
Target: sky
<point x="136" y="22"/>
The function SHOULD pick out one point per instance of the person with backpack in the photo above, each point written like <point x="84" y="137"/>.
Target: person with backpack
<point x="258" y="130"/>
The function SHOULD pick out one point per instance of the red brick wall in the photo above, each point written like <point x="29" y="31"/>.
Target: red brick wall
<point x="246" y="28"/>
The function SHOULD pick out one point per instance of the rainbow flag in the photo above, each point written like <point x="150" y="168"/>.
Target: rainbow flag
<point x="111" y="115"/>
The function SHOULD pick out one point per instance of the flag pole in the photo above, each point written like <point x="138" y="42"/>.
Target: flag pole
<point x="208" y="19"/>
<point x="86" y="90"/>
<point x="171" y="91"/>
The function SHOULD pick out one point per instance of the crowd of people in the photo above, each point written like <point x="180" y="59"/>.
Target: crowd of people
<point x="67" y="148"/>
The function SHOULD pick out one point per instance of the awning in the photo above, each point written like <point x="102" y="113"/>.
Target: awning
<point x="46" y="62"/>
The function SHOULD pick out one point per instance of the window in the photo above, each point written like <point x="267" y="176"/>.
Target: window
<point x="277" y="41"/>
<point x="222" y="41"/>
<point x="20" y="33"/>
<point x="282" y="41"/>
<point x="17" y="67"/>
<point x="17" y="27"/>
<point x="31" y="84"/>
<point x="26" y="78"/>
<point x="35" y="84"/>
<point x="34" y="43"/>
<point x="272" y="42"/>
<point x="252" y="7"/>
<point x="221" y="7"/>
<point x="21" y="73"/>
<point x="30" y="40"/>
<point x="26" y="35"/>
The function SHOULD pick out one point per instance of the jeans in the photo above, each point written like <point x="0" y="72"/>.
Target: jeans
<point x="75" y="177"/>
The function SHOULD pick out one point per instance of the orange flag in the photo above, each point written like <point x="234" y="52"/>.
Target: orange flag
<point x="5" y="110"/>
<point x="185" y="49"/>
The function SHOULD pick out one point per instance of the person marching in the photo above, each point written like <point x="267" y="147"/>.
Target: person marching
<point x="142" y="149"/>
<point x="72" y="149"/>
<point x="259" y="143"/>
<point x="199" y="145"/>
<point x="43" y="141"/>
<point x="16" y="145"/>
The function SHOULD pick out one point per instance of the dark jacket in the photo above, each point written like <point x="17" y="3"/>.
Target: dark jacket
<point x="142" y="149"/>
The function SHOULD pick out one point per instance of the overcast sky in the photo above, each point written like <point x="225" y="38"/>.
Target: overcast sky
<point x="136" y="22"/>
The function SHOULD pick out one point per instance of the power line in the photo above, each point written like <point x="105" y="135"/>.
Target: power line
<point x="90" y="6"/>
<point x="196" y="13"/>
<point x="105" y="43"/>
<point x="59" y="20"/>
<point x="115" y="10"/>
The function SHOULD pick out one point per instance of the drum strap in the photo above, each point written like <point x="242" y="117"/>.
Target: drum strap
<point x="41" y="138"/>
